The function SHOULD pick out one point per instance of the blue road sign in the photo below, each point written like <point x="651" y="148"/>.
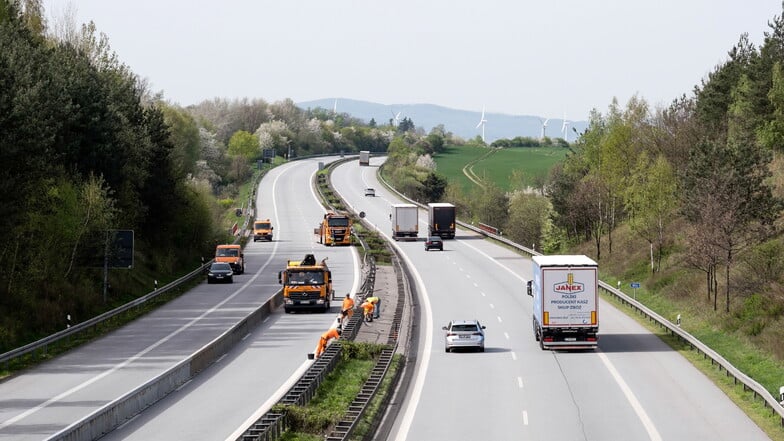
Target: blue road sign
<point x="635" y="285"/>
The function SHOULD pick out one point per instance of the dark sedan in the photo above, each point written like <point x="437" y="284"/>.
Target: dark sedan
<point x="434" y="243"/>
<point x="220" y="272"/>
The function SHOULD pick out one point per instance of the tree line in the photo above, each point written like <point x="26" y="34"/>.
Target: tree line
<point x="700" y="178"/>
<point x="87" y="148"/>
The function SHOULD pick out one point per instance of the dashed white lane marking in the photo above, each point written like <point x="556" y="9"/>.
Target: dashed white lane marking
<point x="492" y="306"/>
<point x="514" y="356"/>
<point x="506" y="334"/>
<point x="525" y="417"/>
<point x="484" y="295"/>
<point x="520" y="382"/>
<point x="499" y="319"/>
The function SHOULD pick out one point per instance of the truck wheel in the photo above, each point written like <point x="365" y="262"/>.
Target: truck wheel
<point x="536" y="330"/>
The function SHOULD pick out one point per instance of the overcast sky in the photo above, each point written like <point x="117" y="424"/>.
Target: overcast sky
<point x="521" y="57"/>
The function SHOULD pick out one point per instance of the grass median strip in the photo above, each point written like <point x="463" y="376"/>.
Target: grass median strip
<point x="333" y="397"/>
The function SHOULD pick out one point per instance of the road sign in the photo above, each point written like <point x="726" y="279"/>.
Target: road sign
<point x="120" y="252"/>
<point x="635" y="285"/>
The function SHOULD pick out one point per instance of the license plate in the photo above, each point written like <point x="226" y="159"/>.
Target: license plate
<point x="307" y="302"/>
<point x="570" y="339"/>
<point x="465" y="336"/>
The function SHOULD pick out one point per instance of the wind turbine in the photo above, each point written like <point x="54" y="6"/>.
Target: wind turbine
<point x="396" y="118"/>
<point x="565" y="129"/>
<point x="482" y="122"/>
<point x="544" y="126"/>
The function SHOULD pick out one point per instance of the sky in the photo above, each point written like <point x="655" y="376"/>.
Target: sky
<point x="548" y="58"/>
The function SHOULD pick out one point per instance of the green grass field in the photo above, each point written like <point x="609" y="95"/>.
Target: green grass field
<point x="498" y="165"/>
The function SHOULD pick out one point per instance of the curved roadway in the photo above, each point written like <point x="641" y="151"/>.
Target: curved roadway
<point x="633" y="387"/>
<point x="36" y="404"/>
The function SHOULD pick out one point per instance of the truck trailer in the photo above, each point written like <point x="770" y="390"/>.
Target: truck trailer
<point x="565" y="301"/>
<point x="441" y="220"/>
<point x="405" y="221"/>
<point x="364" y="157"/>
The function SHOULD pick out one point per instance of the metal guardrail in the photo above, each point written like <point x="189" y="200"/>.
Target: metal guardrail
<point x="44" y="343"/>
<point x="749" y="384"/>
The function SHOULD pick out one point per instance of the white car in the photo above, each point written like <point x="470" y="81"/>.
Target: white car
<point x="370" y="191"/>
<point x="464" y="334"/>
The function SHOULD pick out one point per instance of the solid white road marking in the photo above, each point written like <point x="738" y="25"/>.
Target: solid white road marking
<point x="653" y="434"/>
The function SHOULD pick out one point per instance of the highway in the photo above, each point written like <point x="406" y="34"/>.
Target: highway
<point x="633" y="387"/>
<point x="38" y="403"/>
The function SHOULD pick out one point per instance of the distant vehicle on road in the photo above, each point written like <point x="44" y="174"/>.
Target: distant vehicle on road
<point x="370" y="191"/>
<point x="405" y="221"/>
<point x="441" y="219"/>
<point x="233" y="255"/>
<point x="364" y="157"/>
<point x="464" y="334"/>
<point x="262" y="230"/>
<point x="220" y="272"/>
<point x="434" y="243"/>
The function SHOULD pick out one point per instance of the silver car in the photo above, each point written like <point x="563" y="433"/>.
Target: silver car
<point x="464" y="334"/>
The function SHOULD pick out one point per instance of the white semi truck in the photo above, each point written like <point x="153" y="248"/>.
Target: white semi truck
<point x="405" y="221"/>
<point x="364" y="157"/>
<point x="565" y="292"/>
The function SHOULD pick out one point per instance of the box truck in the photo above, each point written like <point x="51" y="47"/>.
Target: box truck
<point x="405" y="221"/>
<point x="364" y="157"/>
<point x="441" y="220"/>
<point x="565" y="301"/>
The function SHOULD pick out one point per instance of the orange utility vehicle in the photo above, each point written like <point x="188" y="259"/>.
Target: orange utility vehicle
<point x="307" y="284"/>
<point x="262" y="230"/>
<point x="335" y="229"/>
<point x="233" y="255"/>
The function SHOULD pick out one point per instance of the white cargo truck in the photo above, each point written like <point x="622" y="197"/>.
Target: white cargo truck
<point x="405" y="221"/>
<point x="364" y="157"/>
<point x="565" y="292"/>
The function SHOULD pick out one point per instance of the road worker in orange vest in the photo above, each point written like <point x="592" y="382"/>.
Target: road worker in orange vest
<point x="325" y="338"/>
<point x="376" y="306"/>
<point x="368" y="308"/>
<point x="348" y="306"/>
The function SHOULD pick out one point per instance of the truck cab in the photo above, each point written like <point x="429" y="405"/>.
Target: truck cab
<point x="233" y="255"/>
<point x="335" y="229"/>
<point x="307" y="285"/>
<point x="262" y="230"/>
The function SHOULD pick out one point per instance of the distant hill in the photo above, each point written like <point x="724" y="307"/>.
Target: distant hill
<point x="460" y="122"/>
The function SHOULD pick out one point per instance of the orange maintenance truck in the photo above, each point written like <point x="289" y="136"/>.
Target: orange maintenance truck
<point x="262" y="230"/>
<point x="233" y="255"/>
<point x="335" y="229"/>
<point x="307" y="284"/>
